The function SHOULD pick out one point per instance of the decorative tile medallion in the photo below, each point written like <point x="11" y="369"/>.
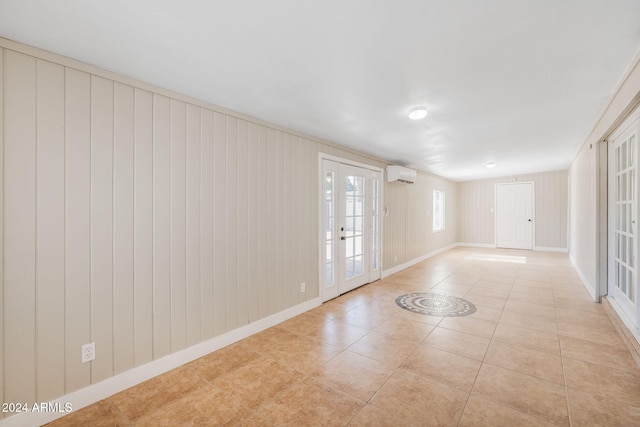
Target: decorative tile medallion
<point x="436" y="305"/>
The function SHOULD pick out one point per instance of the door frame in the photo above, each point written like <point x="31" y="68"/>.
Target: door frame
<point x="321" y="236"/>
<point x="533" y="211"/>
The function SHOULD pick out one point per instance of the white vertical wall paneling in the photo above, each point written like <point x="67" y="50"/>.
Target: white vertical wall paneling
<point x="302" y="212"/>
<point x="253" y="219"/>
<point x="20" y="227"/>
<point x="161" y="226"/>
<point x="294" y="191"/>
<point x="311" y="209"/>
<point x="408" y="229"/>
<point x="263" y="224"/>
<point x="288" y="230"/>
<point x="77" y="226"/>
<point x="178" y="226"/>
<point x="143" y="228"/>
<point x="297" y="174"/>
<point x="410" y="193"/>
<point x="424" y="227"/>
<point x="50" y="255"/>
<point x="387" y="258"/>
<point x="123" y="229"/>
<point x="392" y="225"/>
<point x="2" y="384"/>
<point x="102" y="227"/>
<point x="311" y="233"/>
<point x="416" y="210"/>
<point x="232" y="222"/>
<point x="413" y="202"/>
<point x="207" y="225"/>
<point x="281" y="237"/>
<point x="272" y="233"/>
<point x="243" y="223"/>
<point x="400" y="208"/>
<point x="220" y="225"/>
<point x="194" y="197"/>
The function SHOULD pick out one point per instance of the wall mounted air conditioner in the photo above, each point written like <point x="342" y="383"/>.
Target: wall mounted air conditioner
<point x="401" y="174"/>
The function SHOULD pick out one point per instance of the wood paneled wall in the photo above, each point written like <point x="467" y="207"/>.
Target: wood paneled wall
<point x="140" y="220"/>
<point x="476" y="204"/>
<point x="408" y="227"/>
<point x="146" y="222"/>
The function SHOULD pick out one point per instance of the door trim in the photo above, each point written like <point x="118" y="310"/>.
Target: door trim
<point x="533" y="211"/>
<point x="321" y="253"/>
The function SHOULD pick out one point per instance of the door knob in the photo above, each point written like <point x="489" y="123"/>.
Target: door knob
<point x="343" y="238"/>
<point x="529" y="220"/>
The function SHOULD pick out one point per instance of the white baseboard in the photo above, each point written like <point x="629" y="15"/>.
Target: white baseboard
<point x="549" y="249"/>
<point x="625" y="318"/>
<point x="96" y="392"/>
<point x="477" y="245"/>
<point x="585" y="282"/>
<point x="493" y="246"/>
<point x="415" y="261"/>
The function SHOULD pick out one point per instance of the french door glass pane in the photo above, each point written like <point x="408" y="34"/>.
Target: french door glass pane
<point x="624" y="217"/>
<point x="330" y="215"/>
<point x="375" y="232"/>
<point x="354" y="213"/>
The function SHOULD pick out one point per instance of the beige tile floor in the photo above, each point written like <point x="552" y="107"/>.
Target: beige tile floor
<point x="536" y="352"/>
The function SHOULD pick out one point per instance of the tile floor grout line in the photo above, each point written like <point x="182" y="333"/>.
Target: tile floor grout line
<point x="479" y="369"/>
<point x="564" y="374"/>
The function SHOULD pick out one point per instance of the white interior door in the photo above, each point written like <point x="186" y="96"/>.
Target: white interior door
<point x="623" y="200"/>
<point x="351" y="227"/>
<point x="514" y="215"/>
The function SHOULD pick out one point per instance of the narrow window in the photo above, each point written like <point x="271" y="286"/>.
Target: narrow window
<point x="438" y="210"/>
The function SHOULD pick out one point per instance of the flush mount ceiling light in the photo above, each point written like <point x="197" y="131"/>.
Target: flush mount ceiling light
<point x="418" y="113"/>
<point x="490" y="165"/>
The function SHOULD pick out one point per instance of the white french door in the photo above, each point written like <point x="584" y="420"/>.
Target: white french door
<point x="623" y="213"/>
<point x="514" y="215"/>
<point x="350" y="199"/>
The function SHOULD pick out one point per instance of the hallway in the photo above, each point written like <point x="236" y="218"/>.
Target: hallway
<point x="536" y="352"/>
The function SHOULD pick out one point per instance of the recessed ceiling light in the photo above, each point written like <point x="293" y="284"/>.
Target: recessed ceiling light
<point x="418" y="113"/>
<point x="490" y="165"/>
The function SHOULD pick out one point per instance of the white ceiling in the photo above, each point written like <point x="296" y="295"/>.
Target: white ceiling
<point x="518" y="82"/>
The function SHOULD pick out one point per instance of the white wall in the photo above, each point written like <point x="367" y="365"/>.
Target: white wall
<point x="476" y="204"/>
<point x="582" y="178"/>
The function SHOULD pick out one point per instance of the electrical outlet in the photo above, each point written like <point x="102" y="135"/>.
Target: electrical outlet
<point x="303" y="287"/>
<point x="88" y="352"/>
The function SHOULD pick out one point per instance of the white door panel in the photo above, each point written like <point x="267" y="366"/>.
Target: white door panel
<point x="623" y="242"/>
<point x="514" y="215"/>
<point x="351" y="227"/>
